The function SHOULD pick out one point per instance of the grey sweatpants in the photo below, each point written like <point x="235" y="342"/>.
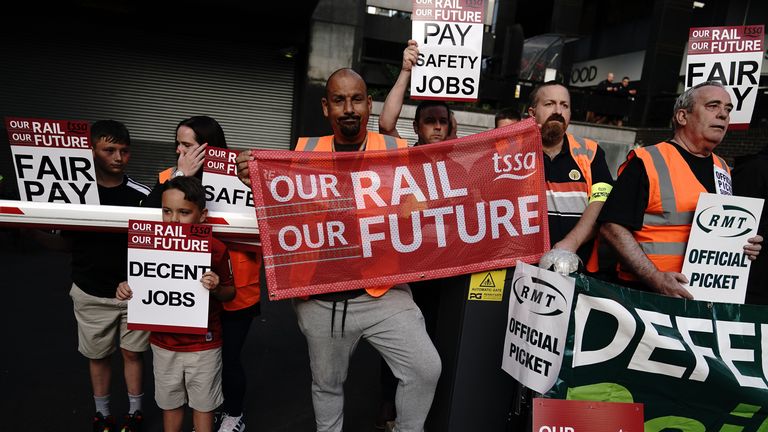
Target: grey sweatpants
<point x="394" y="326"/>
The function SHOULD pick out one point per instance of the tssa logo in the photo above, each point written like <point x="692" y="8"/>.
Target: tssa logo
<point x="515" y="167"/>
<point x="541" y="297"/>
<point x="726" y="221"/>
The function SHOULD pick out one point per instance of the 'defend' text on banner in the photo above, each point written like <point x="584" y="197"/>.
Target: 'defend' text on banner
<point x="695" y="365"/>
<point x="341" y="221"/>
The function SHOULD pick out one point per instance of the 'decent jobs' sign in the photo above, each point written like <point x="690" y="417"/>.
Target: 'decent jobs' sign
<point x="165" y="264"/>
<point x="450" y="37"/>
<point x="53" y="160"/>
<point x="733" y="56"/>
<point x="224" y="192"/>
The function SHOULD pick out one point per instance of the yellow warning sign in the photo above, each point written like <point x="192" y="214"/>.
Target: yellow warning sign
<point x="487" y="286"/>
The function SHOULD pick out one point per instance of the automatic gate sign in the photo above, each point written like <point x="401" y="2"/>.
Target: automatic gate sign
<point x="165" y="263"/>
<point x="53" y="160"/>
<point x="732" y="56"/>
<point x="338" y="221"/>
<point x="450" y="38"/>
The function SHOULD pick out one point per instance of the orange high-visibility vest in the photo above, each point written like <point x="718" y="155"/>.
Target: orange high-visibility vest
<point x="583" y="151"/>
<point x="672" y="197"/>
<point x="376" y="141"/>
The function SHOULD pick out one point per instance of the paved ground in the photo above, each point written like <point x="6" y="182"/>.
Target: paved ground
<point x="44" y="384"/>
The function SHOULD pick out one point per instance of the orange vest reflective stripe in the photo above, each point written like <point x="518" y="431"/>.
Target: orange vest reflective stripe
<point x="673" y="193"/>
<point x="376" y="141"/>
<point x="583" y="151"/>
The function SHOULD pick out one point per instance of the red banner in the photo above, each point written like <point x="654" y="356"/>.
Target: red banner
<point x="341" y="221"/>
<point x="556" y="415"/>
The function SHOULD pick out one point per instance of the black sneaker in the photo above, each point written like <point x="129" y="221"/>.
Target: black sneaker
<point x="132" y="422"/>
<point x="104" y="424"/>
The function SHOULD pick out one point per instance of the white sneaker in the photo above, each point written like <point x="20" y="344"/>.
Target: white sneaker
<point x="232" y="424"/>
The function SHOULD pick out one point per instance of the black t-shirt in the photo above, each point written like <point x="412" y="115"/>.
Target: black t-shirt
<point x="629" y="198"/>
<point x="100" y="259"/>
<point x="560" y="170"/>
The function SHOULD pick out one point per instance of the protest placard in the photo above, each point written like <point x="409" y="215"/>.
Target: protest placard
<point x="224" y="192"/>
<point x="165" y="264"/>
<point x="732" y="55"/>
<point x="715" y="264"/>
<point x="537" y="324"/>
<point x="450" y="38"/>
<point x="53" y="160"/>
<point x="338" y="221"/>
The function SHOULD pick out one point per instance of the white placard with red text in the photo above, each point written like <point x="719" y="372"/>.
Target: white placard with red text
<point x="165" y="264"/>
<point x="450" y="38"/>
<point x="732" y="55"/>
<point x="53" y="160"/>
<point x="224" y="192"/>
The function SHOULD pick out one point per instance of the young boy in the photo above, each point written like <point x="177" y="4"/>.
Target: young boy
<point x="188" y="367"/>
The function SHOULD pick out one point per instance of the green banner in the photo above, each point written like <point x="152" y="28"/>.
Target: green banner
<point x="697" y="366"/>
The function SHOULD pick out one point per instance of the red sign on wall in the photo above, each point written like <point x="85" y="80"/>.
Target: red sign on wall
<point x="557" y="415"/>
<point x="342" y="221"/>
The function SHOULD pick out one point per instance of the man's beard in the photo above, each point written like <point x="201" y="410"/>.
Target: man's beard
<point x="349" y="130"/>
<point x="553" y="129"/>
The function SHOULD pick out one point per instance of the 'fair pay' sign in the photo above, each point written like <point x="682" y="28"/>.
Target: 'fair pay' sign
<point x="732" y="56"/>
<point x="715" y="264"/>
<point x="53" y="159"/>
<point x="165" y="264"/>
<point x="450" y="37"/>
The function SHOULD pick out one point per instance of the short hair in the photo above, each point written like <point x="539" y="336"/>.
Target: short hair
<point x="112" y="131"/>
<point x="207" y="130"/>
<point x="625" y="78"/>
<point x="433" y="103"/>
<point x="535" y="93"/>
<point x="508" y="113"/>
<point x="685" y="100"/>
<point x="192" y="188"/>
<point x="345" y="71"/>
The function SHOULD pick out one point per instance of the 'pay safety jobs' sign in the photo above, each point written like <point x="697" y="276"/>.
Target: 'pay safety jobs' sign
<point x="450" y="38"/>
<point x="732" y="56"/>
<point x="165" y="264"/>
<point x="715" y="264"/>
<point x="53" y="160"/>
<point x="337" y="221"/>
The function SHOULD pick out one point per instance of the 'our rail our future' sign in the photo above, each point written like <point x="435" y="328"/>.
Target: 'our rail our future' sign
<point x="53" y="160"/>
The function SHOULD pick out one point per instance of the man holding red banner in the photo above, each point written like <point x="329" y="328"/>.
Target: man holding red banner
<point x="578" y="181"/>
<point x="385" y="316"/>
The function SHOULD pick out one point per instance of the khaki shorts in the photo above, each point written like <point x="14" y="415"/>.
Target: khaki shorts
<point x="98" y="320"/>
<point x="187" y="377"/>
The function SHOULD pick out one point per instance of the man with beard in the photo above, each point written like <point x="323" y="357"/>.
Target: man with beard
<point x="385" y="316"/>
<point x="578" y="179"/>
<point x="648" y="220"/>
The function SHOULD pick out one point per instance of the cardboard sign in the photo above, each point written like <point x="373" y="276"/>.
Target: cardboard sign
<point x="450" y="37"/>
<point x="337" y="221"/>
<point x="556" y="415"/>
<point x="715" y="264"/>
<point x="165" y="264"/>
<point x="53" y="160"/>
<point x="732" y="55"/>
<point x="537" y="324"/>
<point x="224" y="192"/>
